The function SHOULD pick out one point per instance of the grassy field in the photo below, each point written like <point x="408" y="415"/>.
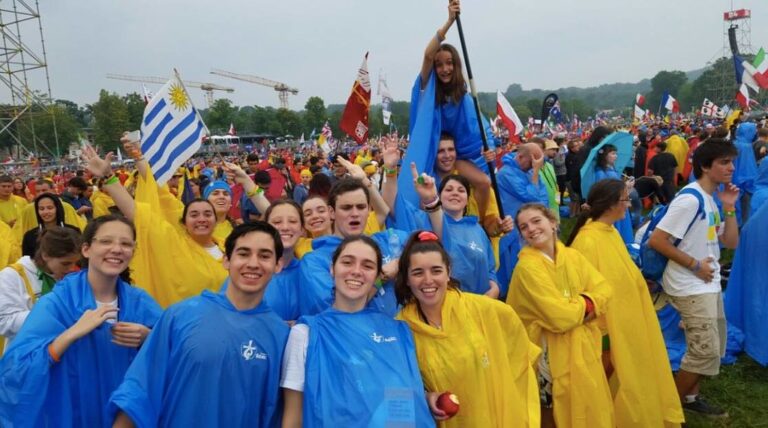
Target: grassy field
<point x="741" y="389"/>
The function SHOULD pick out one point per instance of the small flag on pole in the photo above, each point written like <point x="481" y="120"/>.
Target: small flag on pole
<point x="172" y="129"/>
<point x="670" y="103"/>
<point x="742" y="97"/>
<point x="231" y="131"/>
<point x="324" y="139"/>
<point x="639" y="100"/>
<point x="386" y="99"/>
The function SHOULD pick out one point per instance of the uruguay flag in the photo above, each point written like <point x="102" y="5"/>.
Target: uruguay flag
<point x="171" y="131"/>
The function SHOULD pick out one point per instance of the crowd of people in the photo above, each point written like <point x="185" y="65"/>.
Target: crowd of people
<point x="303" y="288"/>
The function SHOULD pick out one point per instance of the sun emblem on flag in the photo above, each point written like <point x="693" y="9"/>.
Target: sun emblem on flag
<point x="178" y="97"/>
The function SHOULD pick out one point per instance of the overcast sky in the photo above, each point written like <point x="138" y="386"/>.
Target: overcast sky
<point x="317" y="46"/>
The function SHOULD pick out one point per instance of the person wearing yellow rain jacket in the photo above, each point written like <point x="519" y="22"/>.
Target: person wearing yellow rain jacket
<point x="172" y="260"/>
<point x="469" y="345"/>
<point x="644" y="392"/>
<point x="102" y="202"/>
<point x="10" y="251"/>
<point x="28" y="218"/>
<point x="558" y="296"/>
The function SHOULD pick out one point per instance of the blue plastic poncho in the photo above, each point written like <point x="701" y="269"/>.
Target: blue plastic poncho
<point x="361" y="370"/>
<point x="624" y="226"/>
<point x="472" y="260"/>
<point x="36" y="391"/>
<point x="516" y="187"/>
<point x="316" y="283"/>
<point x="746" y="303"/>
<point x="206" y="364"/>
<point x="761" y="189"/>
<point x="745" y="164"/>
<point x="282" y="294"/>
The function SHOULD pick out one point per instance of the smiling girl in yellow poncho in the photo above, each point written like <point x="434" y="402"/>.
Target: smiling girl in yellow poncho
<point x="471" y="345"/>
<point x="558" y="295"/>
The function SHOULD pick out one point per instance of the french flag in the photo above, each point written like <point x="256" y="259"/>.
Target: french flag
<point x="508" y="115"/>
<point x="745" y="73"/>
<point x="742" y="97"/>
<point x="670" y="103"/>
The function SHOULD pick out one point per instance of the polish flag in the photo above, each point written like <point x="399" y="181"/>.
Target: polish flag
<point x="639" y="100"/>
<point x="231" y="131"/>
<point x="508" y="115"/>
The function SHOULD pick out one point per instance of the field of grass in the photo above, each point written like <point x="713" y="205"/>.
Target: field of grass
<point x="741" y="389"/>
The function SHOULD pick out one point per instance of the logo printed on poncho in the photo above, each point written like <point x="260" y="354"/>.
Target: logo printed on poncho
<point x="248" y="351"/>
<point x="379" y="338"/>
<point x="474" y="247"/>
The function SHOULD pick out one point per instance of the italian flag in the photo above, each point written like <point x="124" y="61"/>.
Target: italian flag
<point x="761" y="67"/>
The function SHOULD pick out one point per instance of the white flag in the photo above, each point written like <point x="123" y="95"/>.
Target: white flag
<point x="171" y="131"/>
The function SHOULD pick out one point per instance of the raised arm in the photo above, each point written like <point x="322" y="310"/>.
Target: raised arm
<point x="430" y="200"/>
<point x="251" y="189"/>
<point x="103" y="168"/>
<point x="434" y="42"/>
<point x="391" y="156"/>
<point x="379" y="205"/>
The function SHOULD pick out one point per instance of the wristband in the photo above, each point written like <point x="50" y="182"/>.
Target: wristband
<point x="589" y="306"/>
<point x="390" y="172"/>
<point x="433" y="208"/>
<point x="112" y="180"/>
<point x="431" y="204"/>
<point x="253" y="192"/>
<point x="729" y="213"/>
<point x="696" y="267"/>
<point x="56" y="357"/>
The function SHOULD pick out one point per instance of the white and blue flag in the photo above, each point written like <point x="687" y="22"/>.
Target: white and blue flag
<point x="171" y="131"/>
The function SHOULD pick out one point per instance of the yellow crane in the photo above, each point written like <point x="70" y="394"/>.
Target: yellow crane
<point x="208" y="88"/>
<point x="282" y="89"/>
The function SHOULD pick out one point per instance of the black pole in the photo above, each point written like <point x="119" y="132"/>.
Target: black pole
<point x="473" y="91"/>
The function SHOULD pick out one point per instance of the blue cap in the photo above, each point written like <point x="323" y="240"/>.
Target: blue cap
<point x="216" y="185"/>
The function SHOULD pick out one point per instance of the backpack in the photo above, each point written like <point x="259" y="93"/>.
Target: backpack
<point x="651" y="262"/>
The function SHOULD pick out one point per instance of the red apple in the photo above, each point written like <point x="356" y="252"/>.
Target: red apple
<point x="449" y="403"/>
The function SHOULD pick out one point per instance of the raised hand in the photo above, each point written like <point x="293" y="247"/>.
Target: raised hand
<point x="424" y="184"/>
<point x="96" y="165"/>
<point x="729" y="194"/>
<point x="391" y="153"/>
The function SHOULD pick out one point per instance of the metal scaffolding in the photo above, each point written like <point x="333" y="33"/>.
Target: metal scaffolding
<point x="723" y="88"/>
<point x="22" y="66"/>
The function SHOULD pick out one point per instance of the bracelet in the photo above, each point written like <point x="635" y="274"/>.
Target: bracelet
<point x="390" y="172"/>
<point x="433" y="208"/>
<point x="692" y="263"/>
<point x="56" y="357"/>
<point x="139" y="159"/>
<point x="432" y="204"/>
<point x="253" y="192"/>
<point x="111" y="180"/>
<point x="729" y="213"/>
<point x="696" y="267"/>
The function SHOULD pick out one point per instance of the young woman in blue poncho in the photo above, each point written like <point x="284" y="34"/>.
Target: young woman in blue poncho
<point x="352" y="365"/>
<point x="75" y="346"/>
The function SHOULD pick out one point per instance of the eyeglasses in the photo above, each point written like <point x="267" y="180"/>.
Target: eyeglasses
<point x="625" y="200"/>
<point x="109" y="242"/>
<point x="427" y="236"/>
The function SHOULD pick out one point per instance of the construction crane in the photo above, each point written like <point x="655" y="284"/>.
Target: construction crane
<point x="281" y="88"/>
<point x="208" y="88"/>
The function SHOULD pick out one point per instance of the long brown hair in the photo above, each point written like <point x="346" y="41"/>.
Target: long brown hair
<point x="457" y="87"/>
<point x="602" y="196"/>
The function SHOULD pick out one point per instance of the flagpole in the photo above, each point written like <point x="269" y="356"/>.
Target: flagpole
<point x="491" y="166"/>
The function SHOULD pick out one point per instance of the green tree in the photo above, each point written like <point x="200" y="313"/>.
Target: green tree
<point x="665" y="81"/>
<point x="315" y="114"/>
<point x="134" y="103"/>
<point x="290" y="122"/>
<point x="110" y="119"/>
<point x="221" y="114"/>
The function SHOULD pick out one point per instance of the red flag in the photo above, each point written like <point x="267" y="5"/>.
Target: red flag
<point x="354" y="121"/>
<point x="508" y="115"/>
<point x="639" y="100"/>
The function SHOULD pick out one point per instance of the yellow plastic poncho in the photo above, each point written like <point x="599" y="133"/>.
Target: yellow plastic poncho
<point x="679" y="149"/>
<point x="102" y="202"/>
<point x="10" y="251"/>
<point x="483" y="355"/>
<point x="10" y="210"/>
<point x="547" y="297"/>
<point x="645" y="394"/>
<point x="28" y="220"/>
<point x="168" y="263"/>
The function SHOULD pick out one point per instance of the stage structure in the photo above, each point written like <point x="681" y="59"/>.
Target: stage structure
<point x="25" y="87"/>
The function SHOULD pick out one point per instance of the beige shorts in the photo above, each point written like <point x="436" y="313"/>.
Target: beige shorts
<point x="705" y="332"/>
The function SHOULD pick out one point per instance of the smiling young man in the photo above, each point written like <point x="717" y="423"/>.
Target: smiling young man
<point x="213" y="360"/>
<point x="692" y="276"/>
<point x="350" y="205"/>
